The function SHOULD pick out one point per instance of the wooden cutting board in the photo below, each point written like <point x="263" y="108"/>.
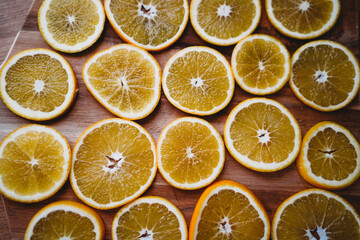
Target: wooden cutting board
<point x="271" y="188"/>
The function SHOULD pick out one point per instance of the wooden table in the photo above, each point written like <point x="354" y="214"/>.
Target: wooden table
<point x="271" y="188"/>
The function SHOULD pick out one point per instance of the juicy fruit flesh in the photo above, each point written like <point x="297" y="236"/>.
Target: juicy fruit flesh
<point x="320" y="214"/>
<point x="189" y="152"/>
<point x="225" y="19"/>
<point x="32" y="163"/>
<point x="262" y="133"/>
<point x="324" y="75"/>
<point x="149" y="22"/>
<point x="198" y="81"/>
<point x="113" y="162"/>
<point x="331" y="155"/>
<point x="37" y="82"/>
<point x="72" y="22"/>
<point x="303" y="16"/>
<point x="260" y="63"/>
<point x="148" y="221"/>
<point x="63" y="224"/>
<point x="124" y="79"/>
<point x="229" y="215"/>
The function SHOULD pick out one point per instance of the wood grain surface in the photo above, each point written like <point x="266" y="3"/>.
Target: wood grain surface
<point x="271" y="188"/>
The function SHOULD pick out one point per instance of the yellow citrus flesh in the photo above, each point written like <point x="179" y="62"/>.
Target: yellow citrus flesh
<point x="149" y="218"/>
<point x="125" y="79"/>
<point x="261" y="64"/>
<point x="330" y="156"/>
<point x="315" y="214"/>
<point x="198" y="80"/>
<point x="190" y="153"/>
<point x="65" y="220"/>
<point x="152" y="25"/>
<point x="262" y="135"/>
<point x="303" y="19"/>
<point x="228" y="210"/>
<point x="34" y="163"/>
<point x="114" y="161"/>
<point x="37" y="84"/>
<point x="325" y="75"/>
<point x="71" y="26"/>
<point x="224" y="22"/>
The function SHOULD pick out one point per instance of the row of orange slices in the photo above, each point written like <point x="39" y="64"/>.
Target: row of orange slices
<point x="198" y="80"/>
<point x="225" y="210"/>
<point x="155" y="25"/>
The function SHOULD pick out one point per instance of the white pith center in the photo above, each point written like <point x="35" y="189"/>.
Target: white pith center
<point x="197" y="82"/>
<point x="34" y="162"/>
<point x="321" y="76"/>
<point x="123" y="82"/>
<point x="71" y="19"/>
<point x="146" y="234"/>
<point x="65" y="238"/>
<point x="224" y="10"/>
<point x="261" y="66"/>
<point x="147" y="11"/>
<point x="304" y="6"/>
<point x="320" y="232"/>
<point x="114" y="164"/>
<point x="264" y="136"/>
<point x="189" y="153"/>
<point x="225" y="226"/>
<point x="39" y="86"/>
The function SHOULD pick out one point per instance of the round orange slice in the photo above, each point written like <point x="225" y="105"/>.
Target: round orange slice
<point x="229" y="210"/>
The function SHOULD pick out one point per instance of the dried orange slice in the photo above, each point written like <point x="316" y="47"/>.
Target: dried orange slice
<point x="65" y="220"/>
<point x="303" y="19"/>
<point x="125" y="79"/>
<point x="191" y="153"/>
<point x="325" y="75"/>
<point x="34" y="163"/>
<point x="261" y="64"/>
<point x="315" y="214"/>
<point x="152" y="25"/>
<point x="228" y="210"/>
<point x="262" y="135"/>
<point x="37" y="84"/>
<point x="198" y="80"/>
<point x="329" y="156"/>
<point x="71" y="26"/>
<point x="114" y="162"/>
<point x="149" y="218"/>
<point x="224" y="22"/>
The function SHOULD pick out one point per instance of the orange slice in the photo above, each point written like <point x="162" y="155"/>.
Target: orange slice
<point x="262" y="135"/>
<point x="325" y="75"/>
<point x="34" y="163"/>
<point x="125" y="79"/>
<point x="329" y="156"/>
<point x="65" y="220"/>
<point x="114" y="162"/>
<point x="37" y="84"/>
<point x="315" y="214"/>
<point x="149" y="218"/>
<point x="228" y="210"/>
<point x="152" y="25"/>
